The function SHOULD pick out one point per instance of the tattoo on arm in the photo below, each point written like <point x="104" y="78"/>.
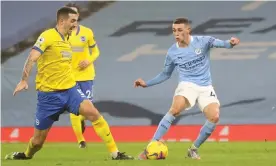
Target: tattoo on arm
<point x="27" y="68"/>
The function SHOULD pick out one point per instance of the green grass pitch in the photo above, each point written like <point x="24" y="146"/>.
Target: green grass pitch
<point x="212" y="154"/>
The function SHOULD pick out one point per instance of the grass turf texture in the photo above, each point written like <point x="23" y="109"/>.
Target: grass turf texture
<point x="212" y="154"/>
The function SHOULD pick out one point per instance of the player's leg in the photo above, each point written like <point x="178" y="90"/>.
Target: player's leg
<point x="185" y="97"/>
<point x="42" y="127"/>
<point x="78" y="122"/>
<point x="179" y="103"/>
<point x="79" y="104"/>
<point x="78" y="126"/>
<point x="209" y="104"/>
<point x="47" y="112"/>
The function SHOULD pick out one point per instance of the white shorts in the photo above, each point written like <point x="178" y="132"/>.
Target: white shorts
<point x="203" y="95"/>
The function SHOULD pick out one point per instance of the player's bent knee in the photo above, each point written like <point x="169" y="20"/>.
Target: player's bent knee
<point x="174" y="111"/>
<point x="88" y="110"/>
<point x="214" y="119"/>
<point x="212" y="112"/>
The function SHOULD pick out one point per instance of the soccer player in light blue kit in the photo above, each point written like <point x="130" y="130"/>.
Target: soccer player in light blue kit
<point x="190" y="56"/>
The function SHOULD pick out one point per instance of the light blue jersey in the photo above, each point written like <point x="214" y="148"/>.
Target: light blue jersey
<point x="192" y="63"/>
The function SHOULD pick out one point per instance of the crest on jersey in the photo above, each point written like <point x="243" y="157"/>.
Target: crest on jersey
<point x="83" y="39"/>
<point x="198" y="51"/>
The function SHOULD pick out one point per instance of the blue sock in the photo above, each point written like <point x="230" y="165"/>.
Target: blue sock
<point x="163" y="126"/>
<point x="204" y="133"/>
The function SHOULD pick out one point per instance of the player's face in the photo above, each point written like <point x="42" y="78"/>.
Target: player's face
<point x="180" y="32"/>
<point x="71" y="23"/>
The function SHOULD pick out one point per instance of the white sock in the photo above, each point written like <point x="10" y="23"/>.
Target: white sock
<point x="114" y="154"/>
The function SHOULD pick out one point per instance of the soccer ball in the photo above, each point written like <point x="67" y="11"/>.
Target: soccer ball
<point x="156" y="150"/>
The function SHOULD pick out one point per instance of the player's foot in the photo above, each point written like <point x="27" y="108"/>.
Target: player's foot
<point x="17" y="156"/>
<point x="193" y="154"/>
<point x="82" y="144"/>
<point x="123" y="156"/>
<point x="142" y="156"/>
<point x="83" y="126"/>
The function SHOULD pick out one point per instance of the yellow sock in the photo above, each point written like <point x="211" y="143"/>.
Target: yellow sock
<point x="82" y="117"/>
<point x="102" y="129"/>
<point x="76" y="125"/>
<point x="31" y="150"/>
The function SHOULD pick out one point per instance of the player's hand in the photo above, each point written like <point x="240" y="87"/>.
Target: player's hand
<point x="84" y="64"/>
<point x="140" y="82"/>
<point x="22" y="85"/>
<point x="234" y="41"/>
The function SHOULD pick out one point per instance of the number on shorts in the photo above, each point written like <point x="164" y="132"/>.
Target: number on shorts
<point x="89" y="94"/>
<point x="213" y="94"/>
<point x="37" y="122"/>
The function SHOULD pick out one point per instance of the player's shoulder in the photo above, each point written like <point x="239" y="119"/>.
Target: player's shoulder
<point x="48" y="32"/>
<point x="85" y="29"/>
<point x="202" y="38"/>
<point x="47" y="35"/>
<point x="172" y="48"/>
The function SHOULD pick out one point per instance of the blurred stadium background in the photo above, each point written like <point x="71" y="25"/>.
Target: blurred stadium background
<point x="133" y="38"/>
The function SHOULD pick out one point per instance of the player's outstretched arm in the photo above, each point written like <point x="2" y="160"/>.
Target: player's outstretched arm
<point x="31" y="60"/>
<point x="161" y="77"/>
<point x="217" y="43"/>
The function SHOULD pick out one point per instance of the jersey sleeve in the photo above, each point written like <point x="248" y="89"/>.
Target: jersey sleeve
<point x="42" y="43"/>
<point x="217" y="43"/>
<point x="91" y="39"/>
<point x="168" y="61"/>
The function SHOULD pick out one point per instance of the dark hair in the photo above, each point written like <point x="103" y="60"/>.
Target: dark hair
<point x="181" y="21"/>
<point x="73" y="5"/>
<point x="64" y="12"/>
